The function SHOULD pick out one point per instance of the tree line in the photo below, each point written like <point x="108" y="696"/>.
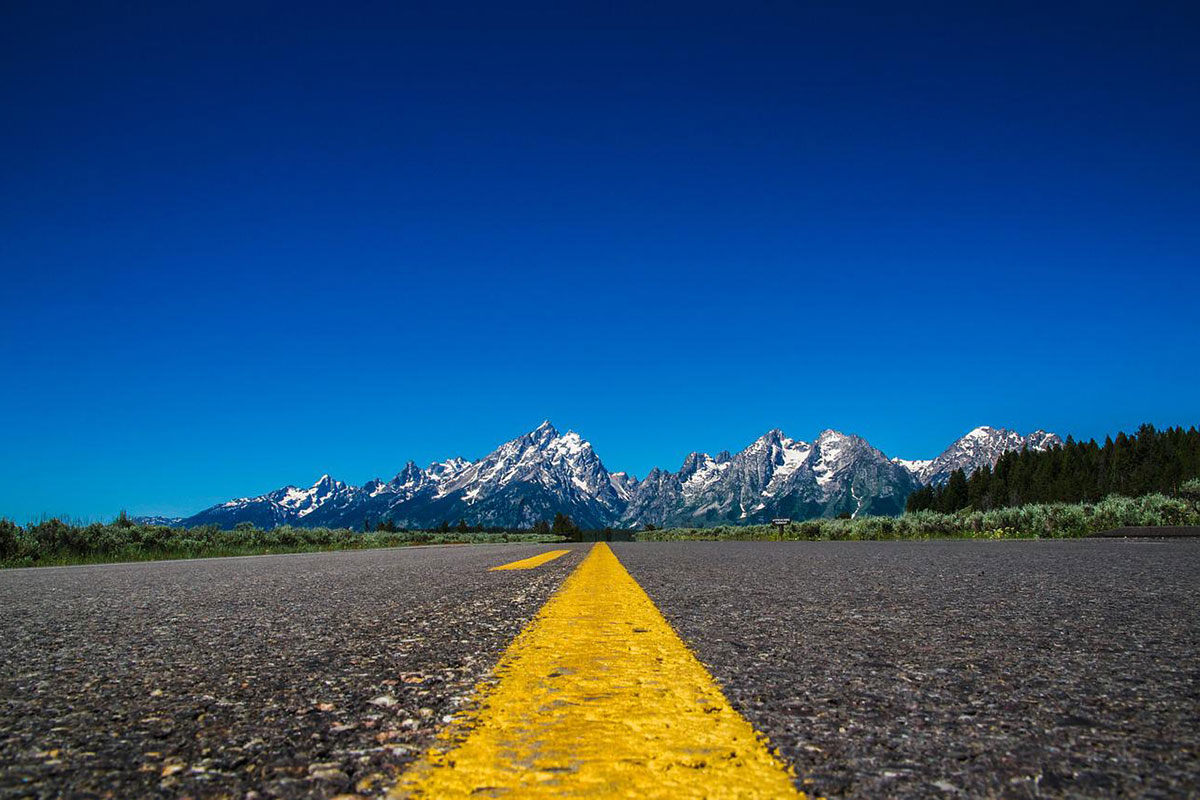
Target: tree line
<point x="1146" y="462"/>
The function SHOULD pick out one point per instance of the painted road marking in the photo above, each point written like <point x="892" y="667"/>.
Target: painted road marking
<point x="535" y="561"/>
<point x="599" y="697"/>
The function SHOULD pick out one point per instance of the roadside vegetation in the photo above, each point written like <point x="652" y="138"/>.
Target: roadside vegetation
<point x="54" y="542"/>
<point x="1036" y="520"/>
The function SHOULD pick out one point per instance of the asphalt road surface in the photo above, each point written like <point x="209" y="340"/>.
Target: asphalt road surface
<point x="908" y="669"/>
<point x="924" y="669"/>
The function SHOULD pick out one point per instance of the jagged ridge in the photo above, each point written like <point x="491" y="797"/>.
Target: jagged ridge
<point x="543" y="472"/>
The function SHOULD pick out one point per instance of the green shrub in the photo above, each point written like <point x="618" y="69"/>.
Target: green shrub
<point x="10" y="539"/>
<point x="56" y="542"/>
<point x="1046" y="520"/>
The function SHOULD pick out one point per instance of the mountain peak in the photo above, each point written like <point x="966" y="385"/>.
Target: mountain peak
<point x="772" y="438"/>
<point x="983" y="431"/>
<point x="979" y="446"/>
<point x="410" y="474"/>
<point x="693" y="462"/>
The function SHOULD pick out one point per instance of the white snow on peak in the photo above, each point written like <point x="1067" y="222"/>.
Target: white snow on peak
<point x="562" y="463"/>
<point x="707" y="473"/>
<point x="293" y="497"/>
<point x="795" y="454"/>
<point x="569" y="444"/>
<point x="440" y="471"/>
<point x="913" y="465"/>
<point x="834" y="446"/>
<point x="305" y="501"/>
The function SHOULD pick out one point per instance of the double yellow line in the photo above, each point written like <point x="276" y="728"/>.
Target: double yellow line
<point x="598" y="697"/>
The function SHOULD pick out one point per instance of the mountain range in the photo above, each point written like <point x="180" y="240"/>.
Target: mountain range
<point x="544" y="472"/>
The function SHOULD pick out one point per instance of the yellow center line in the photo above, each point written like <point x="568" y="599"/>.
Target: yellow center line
<point x="534" y="561"/>
<point x="599" y="697"/>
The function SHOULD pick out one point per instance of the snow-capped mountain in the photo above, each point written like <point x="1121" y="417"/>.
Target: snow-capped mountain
<point x="531" y="478"/>
<point x="525" y="480"/>
<point x="983" y="445"/>
<point x="377" y="500"/>
<point x="623" y="484"/>
<point x="774" y="477"/>
<point x="535" y="476"/>
<point x="287" y="506"/>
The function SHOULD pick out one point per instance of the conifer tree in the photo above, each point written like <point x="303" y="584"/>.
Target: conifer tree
<point x="978" y="496"/>
<point x="954" y="497"/>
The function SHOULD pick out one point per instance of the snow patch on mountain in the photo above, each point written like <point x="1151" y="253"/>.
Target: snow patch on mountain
<point x="913" y="465"/>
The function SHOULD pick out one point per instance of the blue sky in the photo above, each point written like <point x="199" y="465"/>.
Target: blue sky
<point x="244" y="245"/>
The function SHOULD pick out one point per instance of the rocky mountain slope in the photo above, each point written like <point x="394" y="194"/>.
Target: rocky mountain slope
<point x="984" y="445"/>
<point x="774" y="477"/>
<point x="543" y="472"/>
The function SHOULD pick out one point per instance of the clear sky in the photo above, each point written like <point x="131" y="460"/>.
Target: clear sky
<point x="244" y="245"/>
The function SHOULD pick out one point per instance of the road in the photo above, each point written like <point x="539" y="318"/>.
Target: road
<point x="918" y="669"/>
<point x="897" y="669"/>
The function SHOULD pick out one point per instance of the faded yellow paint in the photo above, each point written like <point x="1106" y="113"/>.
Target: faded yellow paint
<point x="598" y="697"/>
<point x="533" y="561"/>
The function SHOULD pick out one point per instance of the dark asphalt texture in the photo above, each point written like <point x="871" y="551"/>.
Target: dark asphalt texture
<point x="952" y="669"/>
<point x="905" y="669"/>
<point x="279" y="676"/>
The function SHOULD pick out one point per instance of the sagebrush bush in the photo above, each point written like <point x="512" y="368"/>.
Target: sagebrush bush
<point x="54" y="541"/>
<point x="1042" y="520"/>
